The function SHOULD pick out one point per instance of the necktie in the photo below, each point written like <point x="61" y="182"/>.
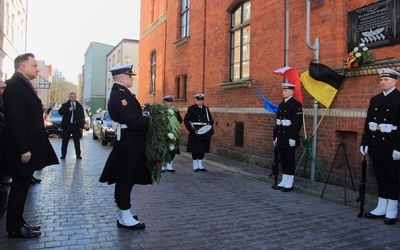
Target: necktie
<point x="73" y="112"/>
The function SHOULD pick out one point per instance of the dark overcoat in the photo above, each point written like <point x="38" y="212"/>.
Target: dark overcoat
<point x="290" y="110"/>
<point x="66" y="113"/>
<point x="383" y="109"/>
<point x="25" y="128"/>
<point x="197" y="143"/>
<point x="126" y="163"/>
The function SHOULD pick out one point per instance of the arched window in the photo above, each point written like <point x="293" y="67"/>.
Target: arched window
<point x="240" y="42"/>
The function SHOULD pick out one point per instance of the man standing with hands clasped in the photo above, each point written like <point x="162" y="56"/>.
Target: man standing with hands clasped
<point x="381" y="140"/>
<point x="287" y="135"/>
<point x="73" y="122"/>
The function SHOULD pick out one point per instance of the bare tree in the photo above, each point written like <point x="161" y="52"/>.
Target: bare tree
<point x="60" y="89"/>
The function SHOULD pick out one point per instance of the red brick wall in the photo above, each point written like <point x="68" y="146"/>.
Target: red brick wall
<point x="204" y="58"/>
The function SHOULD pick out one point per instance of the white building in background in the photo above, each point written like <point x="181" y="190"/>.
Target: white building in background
<point x="13" y="27"/>
<point x="125" y="52"/>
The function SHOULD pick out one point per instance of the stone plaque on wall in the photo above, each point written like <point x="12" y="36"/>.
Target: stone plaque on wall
<point x="376" y="25"/>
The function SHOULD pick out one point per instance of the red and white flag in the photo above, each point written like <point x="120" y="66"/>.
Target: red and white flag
<point x="292" y="75"/>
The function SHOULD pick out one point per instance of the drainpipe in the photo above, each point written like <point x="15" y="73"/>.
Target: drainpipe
<point x="315" y="49"/>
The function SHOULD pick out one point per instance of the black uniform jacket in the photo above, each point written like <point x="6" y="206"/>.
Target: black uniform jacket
<point x="383" y="109"/>
<point x="25" y="128"/>
<point x="126" y="163"/>
<point x="66" y="113"/>
<point x="197" y="143"/>
<point x="291" y="110"/>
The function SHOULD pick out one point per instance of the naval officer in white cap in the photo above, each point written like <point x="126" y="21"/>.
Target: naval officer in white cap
<point x="126" y="164"/>
<point x="289" y="120"/>
<point x="381" y="140"/>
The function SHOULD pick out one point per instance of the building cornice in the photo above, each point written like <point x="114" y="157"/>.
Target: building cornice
<point x="154" y="25"/>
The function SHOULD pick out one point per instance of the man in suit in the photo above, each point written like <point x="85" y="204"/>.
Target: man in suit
<point x="126" y="164"/>
<point x="381" y="140"/>
<point x="289" y="120"/>
<point x="28" y="148"/>
<point x="196" y="117"/>
<point x="73" y="122"/>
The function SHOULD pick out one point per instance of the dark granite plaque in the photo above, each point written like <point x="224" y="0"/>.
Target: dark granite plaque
<point x="376" y="25"/>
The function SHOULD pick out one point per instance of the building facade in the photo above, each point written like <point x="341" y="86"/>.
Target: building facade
<point x="125" y="52"/>
<point x="229" y="48"/>
<point x="94" y="75"/>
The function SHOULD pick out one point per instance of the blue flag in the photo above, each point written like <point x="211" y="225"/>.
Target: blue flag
<point x="267" y="105"/>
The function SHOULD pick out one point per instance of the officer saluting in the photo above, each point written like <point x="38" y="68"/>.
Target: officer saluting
<point x="196" y="117"/>
<point x="381" y="139"/>
<point x="126" y="164"/>
<point x="288" y="123"/>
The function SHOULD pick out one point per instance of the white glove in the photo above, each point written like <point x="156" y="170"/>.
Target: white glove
<point x="372" y="126"/>
<point x="278" y="122"/>
<point x="275" y="141"/>
<point x="396" y="155"/>
<point x="364" y="150"/>
<point x="286" y="123"/>
<point x="292" y="142"/>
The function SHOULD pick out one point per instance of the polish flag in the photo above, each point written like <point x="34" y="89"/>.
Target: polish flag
<point x="292" y="75"/>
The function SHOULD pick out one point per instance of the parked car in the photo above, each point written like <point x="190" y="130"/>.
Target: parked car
<point x="102" y="128"/>
<point x="53" y="122"/>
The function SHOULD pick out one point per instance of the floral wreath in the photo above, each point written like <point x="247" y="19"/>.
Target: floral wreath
<point x="359" y="56"/>
<point x="161" y="137"/>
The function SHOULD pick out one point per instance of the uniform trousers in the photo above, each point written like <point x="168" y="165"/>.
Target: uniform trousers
<point x="198" y="156"/>
<point x="122" y="195"/>
<point x="387" y="178"/>
<point x="16" y="202"/>
<point x="71" y="128"/>
<point x="286" y="157"/>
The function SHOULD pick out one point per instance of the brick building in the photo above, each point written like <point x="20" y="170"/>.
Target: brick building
<point x="228" y="48"/>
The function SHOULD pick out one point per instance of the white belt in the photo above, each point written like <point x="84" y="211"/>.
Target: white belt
<point x="117" y="129"/>
<point x="199" y="123"/>
<point x="283" y="122"/>
<point x="383" y="127"/>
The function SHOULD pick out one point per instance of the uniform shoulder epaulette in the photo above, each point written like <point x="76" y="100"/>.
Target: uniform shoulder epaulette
<point x="122" y="90"/>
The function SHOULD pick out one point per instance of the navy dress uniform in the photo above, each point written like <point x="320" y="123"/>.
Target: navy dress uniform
<point x="381" y="140"/>
<point x="196" y="117"/>
<point x="126" y="164"/>
<point x="289" y="120"/>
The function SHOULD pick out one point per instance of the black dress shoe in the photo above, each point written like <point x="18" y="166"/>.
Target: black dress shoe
<point x="62" y="157"/>
<point x="202" y="169"/>
<point x="79" y="157"/>
<point x="372" y="216"/>
<point x="286" y="189"/>
<point x="32" y="227"/>
<point x="138" y="226"/>
<point x="24" y="232"/>
<point x="171" y="170"/>
<point x="195" y="170"/>
<point x="390" y="221"/>
<point x="276" y="187"/>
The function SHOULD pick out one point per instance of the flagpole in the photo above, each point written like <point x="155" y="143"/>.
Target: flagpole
<point x="315" y="49"/>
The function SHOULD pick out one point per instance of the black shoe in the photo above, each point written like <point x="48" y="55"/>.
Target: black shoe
<point x="32" y="227"/>
<point x="138" y="226"/>
<point x="372" y="216"/>
<point x="276" y="187"/>
<point x="202" y="169"/>
<point x="62" y="157"/>
<point x="286" y="189"/>
<point x="171" y="170"/>
<point x="36" y="180"/>
<point x="195" y="170"/>
<point x="79" y="157"/>
<point x="24" y="232"/>
<point x="390" y="221"/>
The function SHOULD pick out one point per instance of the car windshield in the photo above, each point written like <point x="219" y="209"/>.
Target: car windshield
<point x="107" y="117"/>
<point x="54" y="113"/>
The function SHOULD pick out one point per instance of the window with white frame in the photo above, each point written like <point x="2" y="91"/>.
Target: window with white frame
<point x="185" y="18"/>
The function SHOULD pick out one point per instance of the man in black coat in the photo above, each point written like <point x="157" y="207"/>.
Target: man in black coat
<point x="196" y="117"/>
<point x="381" y="140"/>
<point x="126" y="164"/>
<point x="73" y="122"/>
<point x="28" y="148"/>
<point x="289" y="120"/>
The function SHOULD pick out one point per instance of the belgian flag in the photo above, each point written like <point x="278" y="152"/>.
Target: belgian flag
<point x="321" y="82"/>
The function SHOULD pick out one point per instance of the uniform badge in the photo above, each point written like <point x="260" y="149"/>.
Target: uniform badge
<point x="124" y="102"/>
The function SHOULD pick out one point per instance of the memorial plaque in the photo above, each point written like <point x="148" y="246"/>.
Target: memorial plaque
<point x="376" y="25"/>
